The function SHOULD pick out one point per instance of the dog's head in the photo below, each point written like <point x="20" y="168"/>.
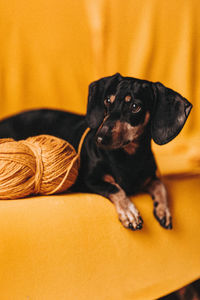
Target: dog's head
<point x="120" y="108"/>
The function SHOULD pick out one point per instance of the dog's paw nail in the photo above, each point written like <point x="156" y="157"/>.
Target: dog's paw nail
<point x="163" y="217"/>
<point x="163" y="221"/>
<point x="139" y="226"/>
<point x="169" y="226"/>
<point x="141" y="220"/>
<point x="130" y="226"/>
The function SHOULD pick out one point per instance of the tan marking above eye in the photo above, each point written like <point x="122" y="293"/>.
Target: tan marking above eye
<point x="112" y="98"/>
<point x="127" y="98"/>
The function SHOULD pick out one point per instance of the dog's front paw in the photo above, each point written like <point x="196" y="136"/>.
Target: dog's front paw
<point x="163" y="215"/>
<point x="129" y="216"/>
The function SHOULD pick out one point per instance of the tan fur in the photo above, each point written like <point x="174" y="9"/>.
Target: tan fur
<point x="127" y="98"/>
<point x="110" y="179"/>
<point x="126" y="210"/>
<point x="187" y="292"/>
<point x="117" y="132"/>
<point x="131" y="148"/>
<point x="123" y="131"/>
<point x="112" y="98"/>
<point x="159" y="195"/>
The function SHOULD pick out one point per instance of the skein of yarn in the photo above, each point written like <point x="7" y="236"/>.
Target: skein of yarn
<point x="42" y="165"/>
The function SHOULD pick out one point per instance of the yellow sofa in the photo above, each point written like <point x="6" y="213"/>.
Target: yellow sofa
<point x="72" y="246"/>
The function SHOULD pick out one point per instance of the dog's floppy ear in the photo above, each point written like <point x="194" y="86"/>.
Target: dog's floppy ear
<point x="170" y="114"/>
<point x="96" y="95"/>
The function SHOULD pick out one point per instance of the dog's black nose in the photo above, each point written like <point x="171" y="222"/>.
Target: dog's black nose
<point x="99" y="140"/>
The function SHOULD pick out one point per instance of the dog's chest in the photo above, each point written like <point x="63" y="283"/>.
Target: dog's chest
<point x="132" y="172"/>
<point x="130" y="179"/>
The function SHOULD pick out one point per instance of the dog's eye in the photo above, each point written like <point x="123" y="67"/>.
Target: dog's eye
<point x="107" y="101"/>
<point x="135" y="108"/>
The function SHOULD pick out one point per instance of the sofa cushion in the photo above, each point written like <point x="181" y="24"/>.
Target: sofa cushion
<point x="73" y="247"/>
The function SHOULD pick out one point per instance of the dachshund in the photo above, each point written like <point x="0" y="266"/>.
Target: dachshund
<point x="124" y="114"/>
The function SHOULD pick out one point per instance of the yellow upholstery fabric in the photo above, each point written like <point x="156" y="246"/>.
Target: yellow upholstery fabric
<point x="72" y="246"/>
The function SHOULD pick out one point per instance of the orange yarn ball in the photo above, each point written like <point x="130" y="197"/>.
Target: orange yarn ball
<point x="39" y="165"/>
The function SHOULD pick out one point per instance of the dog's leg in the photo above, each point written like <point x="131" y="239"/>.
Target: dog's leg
<point x="158" y="192"/>
<point x="126" y="210"/>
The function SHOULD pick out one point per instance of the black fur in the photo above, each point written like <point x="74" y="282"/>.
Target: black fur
<point x="168" y="112"/>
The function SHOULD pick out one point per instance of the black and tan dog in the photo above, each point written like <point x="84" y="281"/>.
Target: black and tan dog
<point x="124" y="114"/>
